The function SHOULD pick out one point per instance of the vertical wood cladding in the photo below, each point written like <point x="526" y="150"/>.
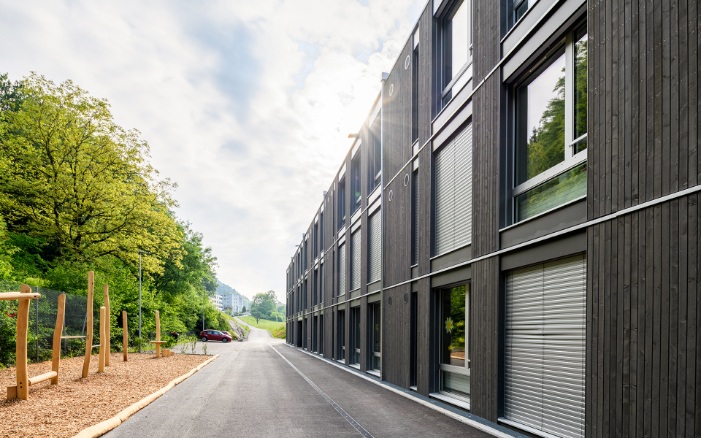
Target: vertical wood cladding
<point x="643" y="101"/>
<point x="485" y="212"/>
<point x="643" y="373"/>
<point x="396" y="113"/>
<point x="643" y="370"/>
<point x="395" y="335"/>
<point x="396" y="241"/>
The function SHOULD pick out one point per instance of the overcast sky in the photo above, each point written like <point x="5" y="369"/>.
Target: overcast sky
<point x="246" y="104"/>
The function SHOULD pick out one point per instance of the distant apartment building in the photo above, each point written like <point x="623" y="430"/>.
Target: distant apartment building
<point x="515" y="228"/>
<point x="216" y="299"/>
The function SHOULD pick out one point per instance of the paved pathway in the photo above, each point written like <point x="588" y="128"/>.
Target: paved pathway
<point x="262" y="387"/>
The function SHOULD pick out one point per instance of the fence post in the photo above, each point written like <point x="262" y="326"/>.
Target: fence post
<point x="36" y="330"/>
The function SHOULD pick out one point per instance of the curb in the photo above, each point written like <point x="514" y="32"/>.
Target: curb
<point x="103" y="427"/>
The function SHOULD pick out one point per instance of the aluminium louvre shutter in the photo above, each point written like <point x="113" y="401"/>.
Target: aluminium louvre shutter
<point x="453" y="193"/>
<point x="355" y="260"/>
<point x="375" y="247"/>
<point x="342" y="269"/>
<point x="545" y="347"/>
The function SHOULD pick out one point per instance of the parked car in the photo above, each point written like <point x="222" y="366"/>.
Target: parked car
<point x="214" y="335"/>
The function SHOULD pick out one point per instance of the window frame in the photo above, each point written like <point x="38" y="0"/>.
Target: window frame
<point x="375" y="153"/>
<point x="572" y="159"/>
<point x="438" y="326"/>
<point x="447" y="88"/>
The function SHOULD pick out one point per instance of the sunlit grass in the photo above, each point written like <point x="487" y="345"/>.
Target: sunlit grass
<point x="276" y="329"/>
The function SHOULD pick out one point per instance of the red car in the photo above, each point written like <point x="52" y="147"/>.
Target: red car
<point x="214" y="335"/>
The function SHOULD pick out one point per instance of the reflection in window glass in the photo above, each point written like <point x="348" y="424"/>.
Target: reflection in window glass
<point x="459" y="39"/>
<point x="454" y="374"/>
<point x="542" y="121"/>
<point x="580" y="90"/>
<point x="556" y="191"/>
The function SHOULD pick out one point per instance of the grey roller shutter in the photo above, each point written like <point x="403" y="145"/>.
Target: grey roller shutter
<point x="453" y="193"/>
<point x="545" y="347"/>
<point x="342" y="269"/>
<point x="355" y="260"/>
<point x="375" y="247"/>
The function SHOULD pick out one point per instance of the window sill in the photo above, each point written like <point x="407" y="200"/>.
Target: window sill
<point x="375" y="373"/>
<point x="452" y="400"/>
<point x="355" y="365"/>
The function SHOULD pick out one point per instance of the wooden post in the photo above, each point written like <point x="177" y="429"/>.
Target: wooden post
<point x="89" y="316"/>
<point x="158" y="334"/>
<point x="21" y="346"/>
<point x="125" y="336"/>
<point x="103" y="334"/>
<point x="58" y="330"/>
<point x="107" y="344"/>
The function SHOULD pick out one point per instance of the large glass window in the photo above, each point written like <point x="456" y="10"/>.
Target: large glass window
<point x="456" y="49"/>
<point x="375" y="155"/>
<point x="355" y="182"/>
<point x="551" y="131"/>
<point x="355" y="335"/>
<point x="453" y="324"/>
<point x="341" y="202"/>
<point x="375" y="335"/>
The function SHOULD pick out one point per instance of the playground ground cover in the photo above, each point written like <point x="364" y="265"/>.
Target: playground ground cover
<point x="65" y="409"/>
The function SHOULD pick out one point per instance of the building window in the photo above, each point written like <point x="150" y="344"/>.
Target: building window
<point x="355" y="335"/>
<point x="452" y="179"/>
<point x="415" y="89"/>
<point x="455" y="50"/>
<point x="453" y="307"/>
<point x="551" y="131"/>
<point x="415" y="217"/>
<point x="315" y="288"/>
<point x="341" y="202"/>
<point x="341" y="336"/>
<point x="517" y="9"/>
<point x="375" y="247"/>
<point x="321" y="231"/>
<point x="342" y="269"/>
<point x="355" y="182"/>
<point x="375" y="155"/>
<point x="375" y="336"/>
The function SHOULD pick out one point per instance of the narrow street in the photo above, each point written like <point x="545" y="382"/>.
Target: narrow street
<point x="262" y="387"/>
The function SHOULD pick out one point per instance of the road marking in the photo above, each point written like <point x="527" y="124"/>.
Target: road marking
<point x="361" y="430"/>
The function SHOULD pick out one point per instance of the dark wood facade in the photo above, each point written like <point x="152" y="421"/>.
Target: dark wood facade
<point x="636" y="228"/>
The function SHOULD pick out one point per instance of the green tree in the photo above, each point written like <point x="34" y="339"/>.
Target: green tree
<point x="78" y="183"/>
<point x="263" y="305"/>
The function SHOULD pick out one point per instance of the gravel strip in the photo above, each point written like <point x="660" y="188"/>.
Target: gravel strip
<point x="74" y="404"/>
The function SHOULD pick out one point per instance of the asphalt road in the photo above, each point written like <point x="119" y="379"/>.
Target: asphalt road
<point x="262" y="387"/>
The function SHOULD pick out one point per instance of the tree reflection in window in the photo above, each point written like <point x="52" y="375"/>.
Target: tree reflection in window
<point x="546" y="105"/>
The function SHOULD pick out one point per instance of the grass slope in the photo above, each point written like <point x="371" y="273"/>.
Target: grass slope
<point x="276" y="329"/>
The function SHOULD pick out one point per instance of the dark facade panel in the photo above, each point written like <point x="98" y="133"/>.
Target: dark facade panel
<point x="643" y="308"/>
<point x="396" y="113"/>
<point x="395" y="238"/>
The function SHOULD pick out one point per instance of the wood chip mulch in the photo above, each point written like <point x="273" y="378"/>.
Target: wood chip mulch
<point x="65" y="409"/>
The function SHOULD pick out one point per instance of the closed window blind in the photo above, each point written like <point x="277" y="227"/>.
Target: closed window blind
<point x="355" y="260"/>
<point x="342" y="269"/>
<point x="545" y="347"/>
<point x="453" y="193"/>
<point x="375" y="247"/>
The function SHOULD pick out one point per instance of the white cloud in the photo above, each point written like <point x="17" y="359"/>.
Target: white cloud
<point x="246" y="105"/>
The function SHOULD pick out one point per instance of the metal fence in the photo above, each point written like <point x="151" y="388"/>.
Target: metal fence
<point x="42" y="321"/>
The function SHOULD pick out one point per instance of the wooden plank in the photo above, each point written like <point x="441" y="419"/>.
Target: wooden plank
<point x="125" y="336"/>
<point x="7" y="296"/>
<point x="656" y="320"/>
<point x="89" y="324"/>
<point x="649" y="306"/>
<point x="683" y="96"/>
<point x="642" y="329"/>
<point x="43" y="377"/>
<point x="683" y="317"/>
<point x="612" y="90"/>
<point x="22" y="377"/>
<point x="634" y="318"/>
<point x="103" y="341"/>
<point x="58" y="330"/>
<point x="609" y="361"/>
<point x="664" y="292"/>
<point x="664" y="107"/>
<point x="694" y="102"/>
<point x="634" y="122"/>
<point x="106" y="301"/>
<point x="674" y="118"/>
<point x="674" y="321"/>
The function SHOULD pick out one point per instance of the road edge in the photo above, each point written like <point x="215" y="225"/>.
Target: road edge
<point x="103" y="427"/>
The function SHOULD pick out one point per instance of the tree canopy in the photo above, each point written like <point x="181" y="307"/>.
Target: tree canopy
<point x="263" y="306"/>
<point x="77" y="193"/>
